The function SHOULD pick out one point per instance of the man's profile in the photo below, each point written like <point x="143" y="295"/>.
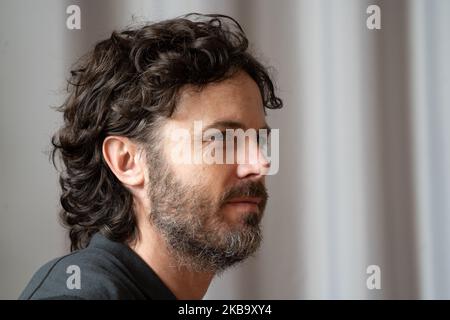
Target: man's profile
<point x="142" y="226"/>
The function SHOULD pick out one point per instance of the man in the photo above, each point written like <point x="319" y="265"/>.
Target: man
<point x="142" y="224"/>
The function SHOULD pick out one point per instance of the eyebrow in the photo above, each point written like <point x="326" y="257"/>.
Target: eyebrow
<point x="231" y="124"/>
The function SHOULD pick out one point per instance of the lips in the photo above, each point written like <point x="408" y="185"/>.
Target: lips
<point x="246" y="200"/>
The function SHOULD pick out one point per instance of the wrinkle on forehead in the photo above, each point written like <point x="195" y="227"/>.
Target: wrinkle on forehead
<point x="236" y="98"/>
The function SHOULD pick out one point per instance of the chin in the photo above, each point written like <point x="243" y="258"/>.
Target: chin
<point x="242" y="219"/>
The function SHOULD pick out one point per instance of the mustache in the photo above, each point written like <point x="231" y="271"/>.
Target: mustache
<point x="247" y="189"/>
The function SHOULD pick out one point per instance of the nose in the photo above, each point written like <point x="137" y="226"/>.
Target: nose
<point x="255" y="164"/>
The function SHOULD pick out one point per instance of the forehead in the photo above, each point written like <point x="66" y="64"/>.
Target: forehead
<point x="235" y="99"/>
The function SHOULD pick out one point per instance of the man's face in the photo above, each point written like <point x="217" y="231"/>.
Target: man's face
<point x="210" y="214"/>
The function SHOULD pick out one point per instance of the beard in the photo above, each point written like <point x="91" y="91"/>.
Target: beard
<point x="193" y="225"/>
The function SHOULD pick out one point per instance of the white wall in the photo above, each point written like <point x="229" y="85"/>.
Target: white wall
<point x="32" y="70"/>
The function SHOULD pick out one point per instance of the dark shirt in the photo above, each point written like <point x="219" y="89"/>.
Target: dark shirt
<point x="107" y="270"/>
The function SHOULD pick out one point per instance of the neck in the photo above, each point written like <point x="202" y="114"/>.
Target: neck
<point x="184" y="283"/>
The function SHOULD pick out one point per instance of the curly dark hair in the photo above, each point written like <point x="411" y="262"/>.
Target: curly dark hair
<point x="122" y="87"/>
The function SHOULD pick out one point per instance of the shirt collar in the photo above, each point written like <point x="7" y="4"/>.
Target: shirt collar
<point x="147" y="280"/>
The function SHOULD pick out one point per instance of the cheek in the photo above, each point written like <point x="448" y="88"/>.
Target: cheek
<point x="218" y="174"/>
<point x="214" y="178"/>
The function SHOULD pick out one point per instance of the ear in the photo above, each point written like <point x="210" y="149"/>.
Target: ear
<point x="124" y="159"/>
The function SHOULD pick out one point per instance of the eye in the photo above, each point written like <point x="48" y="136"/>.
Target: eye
<point x="219" y="136"/>
<point x="261" y="139"/>
<point x="264" y="141"/>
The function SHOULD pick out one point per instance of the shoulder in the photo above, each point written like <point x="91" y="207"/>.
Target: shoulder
<point x="90" y="273"/>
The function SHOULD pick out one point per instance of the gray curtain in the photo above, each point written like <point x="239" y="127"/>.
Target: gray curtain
<point x="365" y="141"/>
